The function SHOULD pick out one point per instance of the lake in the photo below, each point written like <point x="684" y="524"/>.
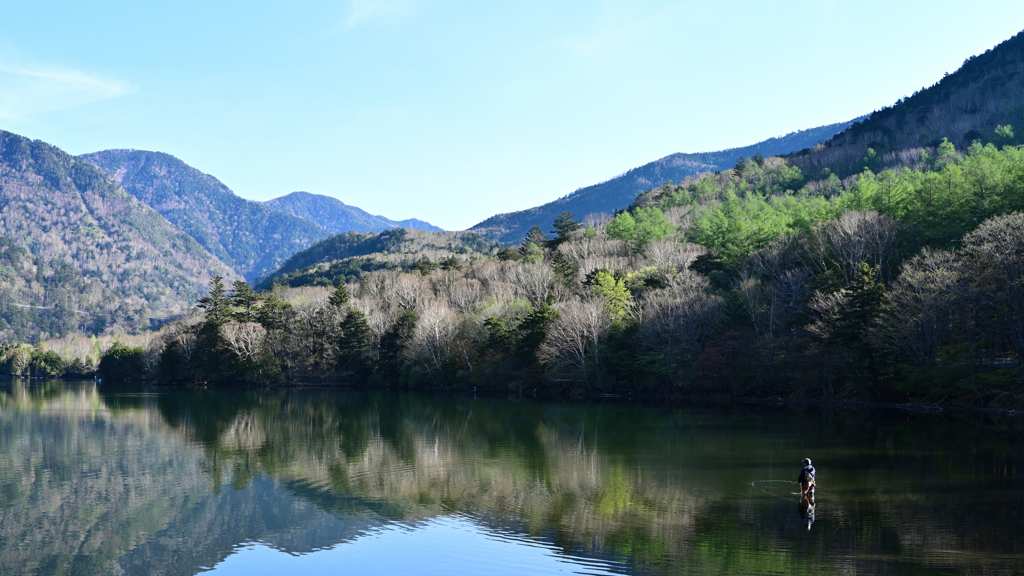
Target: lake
<point x="137" y="480"/>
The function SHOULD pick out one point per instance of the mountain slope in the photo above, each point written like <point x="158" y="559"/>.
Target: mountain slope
<point x="618" y="192"/>
<point x="347" y="256"/>
<point x="985" y="92"/>
<point x="251" y="238"/>
<point x="337" y="217"/>
<point x="84" y="250"/>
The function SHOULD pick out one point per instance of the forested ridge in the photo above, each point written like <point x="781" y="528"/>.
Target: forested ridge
<point x="759" y="280"/>
<point x="865" y="268"/>
<point x="337" y="217"/>
<point x="250" y="237"/>
<point x="346" y="257"/>
<point x="985" y="92"/>
<point x="77" y="254"/>
<point x="600" y="200"/>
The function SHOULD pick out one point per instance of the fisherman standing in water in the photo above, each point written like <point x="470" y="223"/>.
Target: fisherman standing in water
<point x="806" y="478"/>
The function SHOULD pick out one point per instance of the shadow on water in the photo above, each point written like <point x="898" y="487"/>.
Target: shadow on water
<point x="143" y="481"/>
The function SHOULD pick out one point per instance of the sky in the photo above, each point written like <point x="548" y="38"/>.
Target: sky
<point x="454" y="111"/>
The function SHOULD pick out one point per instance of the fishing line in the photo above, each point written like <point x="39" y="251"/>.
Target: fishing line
<point x="753" y="484"/>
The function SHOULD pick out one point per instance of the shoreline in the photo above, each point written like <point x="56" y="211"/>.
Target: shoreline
<point x="622" y="398"/>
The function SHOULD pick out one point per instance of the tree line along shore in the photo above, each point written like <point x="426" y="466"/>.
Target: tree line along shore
<point x="896" y="284"/>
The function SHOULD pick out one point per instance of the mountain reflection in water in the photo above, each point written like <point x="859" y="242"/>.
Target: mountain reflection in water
<point x="108" y="481"/>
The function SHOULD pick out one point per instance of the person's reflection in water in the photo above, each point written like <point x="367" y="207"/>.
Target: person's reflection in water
<point x="807" y="506"/>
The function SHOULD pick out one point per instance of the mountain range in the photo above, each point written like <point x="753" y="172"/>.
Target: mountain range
<point x="337" y="217"/>
<point x="81" y="254"/>
<point x="253" y="238"/>
<point x="104" y="241"/>
<point x="615" y="194"/>
<point x="986" y="92"/>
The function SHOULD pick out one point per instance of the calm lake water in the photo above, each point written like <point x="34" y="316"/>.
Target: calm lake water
<point x="97" y="480"/>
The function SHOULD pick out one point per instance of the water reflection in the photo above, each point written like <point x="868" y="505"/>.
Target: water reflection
<point x="97" y="481"/>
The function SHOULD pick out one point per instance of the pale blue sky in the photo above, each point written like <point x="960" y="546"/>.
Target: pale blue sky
<point x="454" y="111"/>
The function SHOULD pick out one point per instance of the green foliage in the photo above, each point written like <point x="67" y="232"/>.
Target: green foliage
<point x="651" y="225"/>
<point x="565" y="269"/>
<point x="532" y="332"/>
<point x="531" y="253"/>
<point x="501" y="338"/>
<point x="564" y="226"/>
<point x="643" y="226"/>
<point x="425" y="266"/>
<point x="534" y="236"/>
<point x="217" y="304"/>
<point x="451" y="263"/>
<point x="939" y="203"/>
<point x="622" y="227"/>
<point x="354" y="346"/>
<point x="273" y="312"/>
<point x="122" y="362"/>
<point x="613" y="292"/>
<point x="394" y="346"/>
<point x="1003" y="135"/>
<point x="339" y="298"/>
<point x="508" y="253"/>
<point x="244" y="299"/>
<point x="47" y="363"/>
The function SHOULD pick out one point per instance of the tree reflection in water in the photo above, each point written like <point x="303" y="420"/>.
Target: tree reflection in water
<point x="170" y="481"/>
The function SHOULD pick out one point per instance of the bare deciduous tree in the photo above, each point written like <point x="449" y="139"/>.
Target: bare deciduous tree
<point x="827" y="306"/>
<point x="464" y="294"/>
<point x="686" y="313"/>
<point x="671" y="254"/>
<point x="435" y="331"/>
<point x="183" y="335"/>
<point x="533" y="281"/>
<point x="409" y="292"/>
<point x="781" y="266"/>
<point x="853" y="238"/>
<point x="994" y="259"/>
<point x="574" y="335"/>
<point x="244" y="339"/>
<point x="918" y="316"/>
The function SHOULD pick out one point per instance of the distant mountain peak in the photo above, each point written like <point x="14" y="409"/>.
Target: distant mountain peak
<point x="337" y="217"/>
<point x="617" y="193"/>
<point x="248" y="236"/>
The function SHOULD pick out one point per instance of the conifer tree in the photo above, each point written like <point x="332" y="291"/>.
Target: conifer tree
<point x="339" y="298"/>
<point x="245" y="299"/>
<point x="535" y="236"/>
<point x="394" y="345"/>
<point x="216" y="304"/>
<point x="354" y="344"/>
<point x="564" y="226"/>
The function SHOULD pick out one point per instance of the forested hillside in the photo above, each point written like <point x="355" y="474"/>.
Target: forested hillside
<point x="337" y="217"/>
<point x="759" y="280"/>
<point x="985" y="93"/>
<point x="601" y="200"/>
<point x="346" y="257"/>
<point x="894" y="278"/>
<point x="79" y="254"/>
<point x="248" y="236"/>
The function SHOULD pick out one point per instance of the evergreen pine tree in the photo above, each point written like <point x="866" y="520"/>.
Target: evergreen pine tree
<point x="339" y="298"/>
<point x="216" y="304"/>
<point x="394" y="345"/>
<point x="245" y="299"/>
<point x="564" y="226"/>
<point x="354" y="344"/>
